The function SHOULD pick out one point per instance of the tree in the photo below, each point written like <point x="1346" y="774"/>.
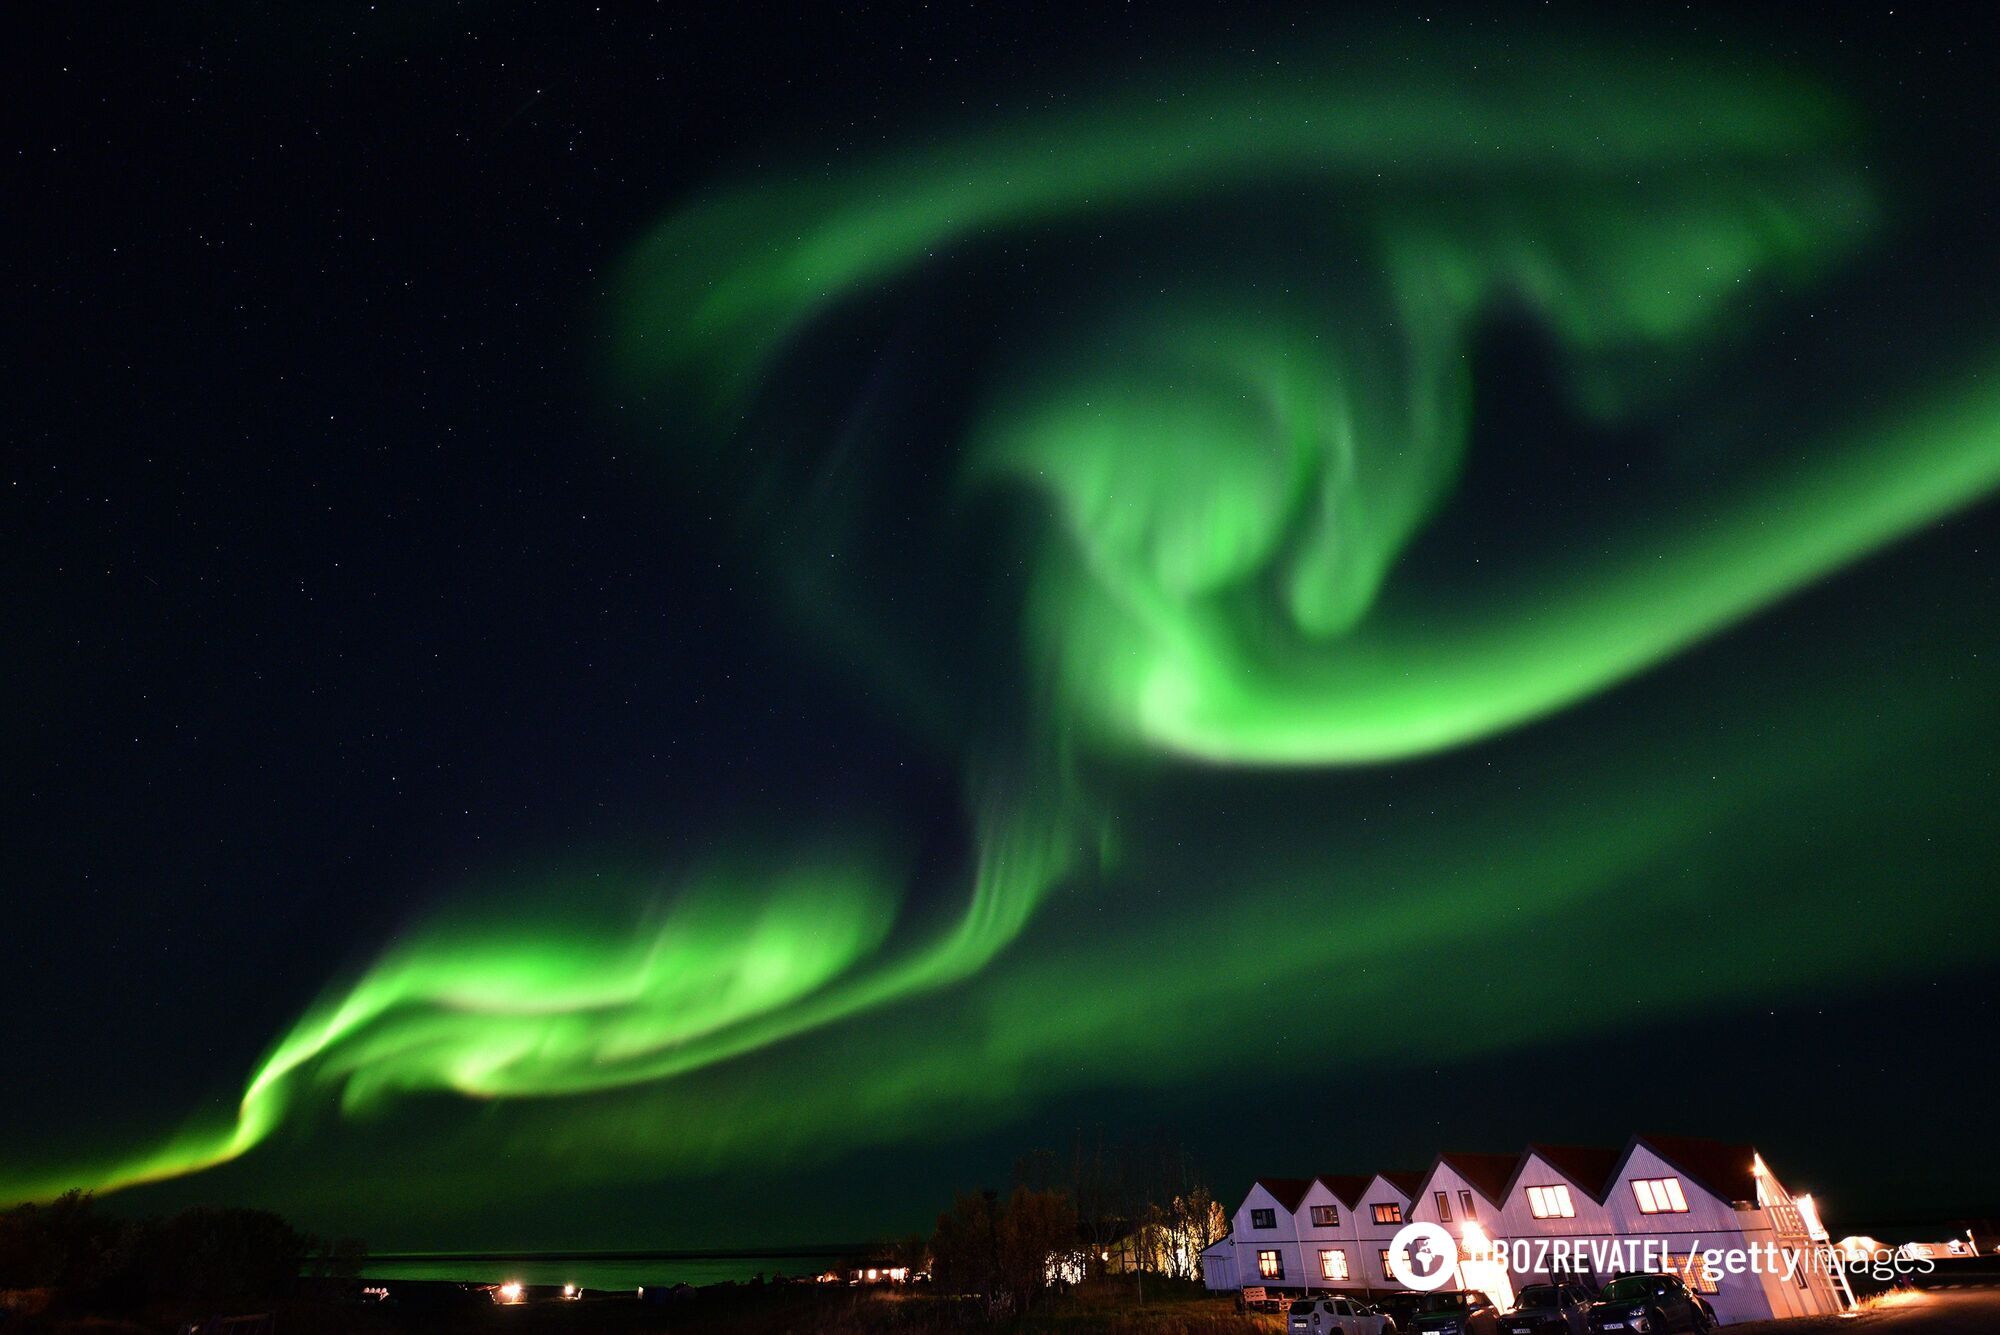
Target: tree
<point x="215" y="1254"/>
<point x="1037" y="1234"/>
<point x="965" y="1248"/>
<point x="206" y="1254"/>
<point x="1099" y="1186"/>
<point x="64" y="1244"/>
<point x="1193" y="1221"/>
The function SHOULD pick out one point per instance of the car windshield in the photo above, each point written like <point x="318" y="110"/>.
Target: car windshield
<point x="1537" y="1295"/>
<point x="1447" y="1302"/>
<point x="1633" y="1289"/>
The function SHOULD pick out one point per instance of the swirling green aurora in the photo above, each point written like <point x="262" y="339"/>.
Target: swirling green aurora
<point x="1222" y="447"/>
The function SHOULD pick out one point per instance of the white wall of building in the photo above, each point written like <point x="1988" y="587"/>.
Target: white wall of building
<point x="1372" y="1238"/>
<point x="1709" y="1223"/>
<point x="1282" y="1237"/>
<point x="1218" y="1266"/>
<point x="1517" y="1217"/>
<point x="1315" y="1238"/>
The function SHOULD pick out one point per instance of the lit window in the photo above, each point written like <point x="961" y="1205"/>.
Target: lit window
<point x="1388" y="1214"/>
<point x="1693" y="1271"/>
<point x="1659" y="1195"/>
<point x="1270" y="1265"/>
<point x="1465" y="1205"/>
<point x="1326" y="1216"/>
<point x="1333" y="1264"/>
<point x="1263" y="1219"/>
<point x="1443" y="1199"/>
<point x="1387" y="1273"/>
<point x="1550" y="1203"/>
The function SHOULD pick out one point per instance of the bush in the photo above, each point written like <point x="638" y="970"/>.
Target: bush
<point x="208" y="1254"/>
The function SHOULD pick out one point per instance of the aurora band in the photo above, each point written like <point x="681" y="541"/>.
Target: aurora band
<point x="1234" y="471"/>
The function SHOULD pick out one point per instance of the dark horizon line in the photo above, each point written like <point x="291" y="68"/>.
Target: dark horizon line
<point x="791" y="1252"/>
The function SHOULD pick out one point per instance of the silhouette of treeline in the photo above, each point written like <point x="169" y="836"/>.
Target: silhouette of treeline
<point x="1104" y="1208"/>
<point x="76" y="1257"/>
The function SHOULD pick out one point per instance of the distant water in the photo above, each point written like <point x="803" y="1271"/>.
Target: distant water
<point x="603" y="1272"/>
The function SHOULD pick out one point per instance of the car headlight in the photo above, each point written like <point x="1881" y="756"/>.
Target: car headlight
<point x="1636" y="1319"/>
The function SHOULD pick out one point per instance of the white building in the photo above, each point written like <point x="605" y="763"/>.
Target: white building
<point x="1325" y="1232"/>
<point x="1713" y="1213"/>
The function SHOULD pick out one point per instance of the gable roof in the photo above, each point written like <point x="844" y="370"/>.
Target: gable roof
<point x="1407" y="1183"/>
<point x="1288" y="1191"/>
<point x="1588" y="1167"/>
<point x="1489" y="1174"/>
<point x="1724" y="1170"/>
<point x="1347" y="1188"/>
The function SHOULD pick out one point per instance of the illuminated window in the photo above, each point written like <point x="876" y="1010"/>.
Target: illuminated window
<point x="1443" y="1199"/>
<point x="1263" y="1219"/>
<point x="1333" y="1264"/>
<point x="1693" y="1271"/>
<point x="1388" y="1214"/>
<point x="1550" y="1203"/>
<point x="1659" y="1195"/>
<point x="1465" y="1205"/>
<point x="1326" y="1216"/>
<point x="1270" y="1265"/>
<point x="1387" y="1273"/>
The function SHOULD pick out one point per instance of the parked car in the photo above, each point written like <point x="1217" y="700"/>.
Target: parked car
<point x="1549" y="1309"/>
<point x="1401" y="1308"/>
<point x="1649" y="1305"/>
<point x="1347" y="1316"/>
<point x="1458" y="1312"/>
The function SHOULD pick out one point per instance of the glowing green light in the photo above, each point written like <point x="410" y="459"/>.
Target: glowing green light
<point x="1235" y="475"/>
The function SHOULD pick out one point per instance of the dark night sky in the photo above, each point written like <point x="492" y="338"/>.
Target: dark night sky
<point x="339" y="581"/>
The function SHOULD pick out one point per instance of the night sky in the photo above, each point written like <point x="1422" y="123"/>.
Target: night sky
<point x="638" y="627"/>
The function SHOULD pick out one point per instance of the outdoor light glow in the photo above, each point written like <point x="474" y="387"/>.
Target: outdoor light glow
<point x="1203" y="482"/>
<point x="1809" y="1215"/>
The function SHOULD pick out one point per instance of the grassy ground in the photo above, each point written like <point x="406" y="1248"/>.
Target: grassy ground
<point x="1109" y="1308"/>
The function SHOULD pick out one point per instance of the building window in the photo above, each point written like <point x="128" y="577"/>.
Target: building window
<point x="1465" y="1205"/>
<point x="1326" y="1216"/>
<point x="1333" y="1264"/>
<point x="1443" y="1199"/>
<point x="1388" y="1214"/>
<point x="1263" y="1219"/>
<point x="1551" y="1203"/>
<point x="1693" y="1271"/>
<point x="1387" y="1273"/>
<point x="1270" y="1265"/>
<point x="1659" y="1195"/>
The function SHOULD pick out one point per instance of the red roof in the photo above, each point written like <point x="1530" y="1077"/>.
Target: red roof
<point x="1588" y="1166"/>
<point x="1726" y="1170"/>
<point x="1407" y="1183"/>
<point x="1288" y="1191"/>
<point x="1489" y="1174"/>
<point x="1721" y="1168"/>
<point x="1347" y="1188"/>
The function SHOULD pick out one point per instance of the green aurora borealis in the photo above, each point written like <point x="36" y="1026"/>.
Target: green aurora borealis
<point x="1216" y="468"/>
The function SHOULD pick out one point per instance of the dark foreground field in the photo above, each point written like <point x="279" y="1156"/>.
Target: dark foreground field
<point x="1940" y="1311"/>
<point x="725" y="1309"/>
<point x="1110" y="1308"/>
